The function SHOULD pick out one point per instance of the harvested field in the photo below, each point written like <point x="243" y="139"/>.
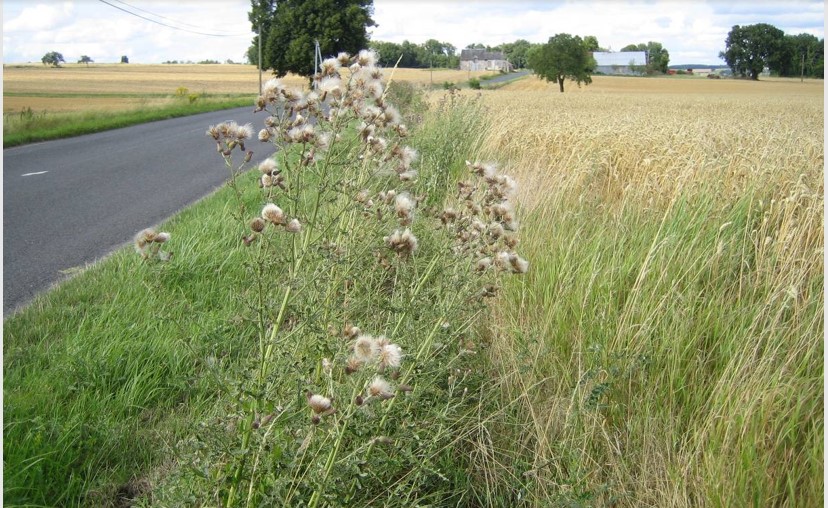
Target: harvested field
<point x="75" y="87"/>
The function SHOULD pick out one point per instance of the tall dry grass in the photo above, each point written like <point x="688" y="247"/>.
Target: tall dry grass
<point x="666" y="347"/>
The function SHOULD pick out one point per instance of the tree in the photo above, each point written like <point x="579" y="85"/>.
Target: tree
<point x="517" y="52"/>
<point x="124" y="59"/>
<point x="338" y="25"/>
<point x="85" y="60"/>
<point x="261" y="18"/>
<point x="749" y="49"/>
<point x="563" y="57"/>
<point x="802" y="54"/>
<point x="52" y="58"/>
<point x="591" y="43"/>
<point x="658" y="58"/>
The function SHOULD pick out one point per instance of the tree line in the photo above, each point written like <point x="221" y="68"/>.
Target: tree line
<point x="751" y="48"/>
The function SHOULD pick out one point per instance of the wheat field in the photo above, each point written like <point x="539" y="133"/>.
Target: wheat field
<point x="666" y="348"/>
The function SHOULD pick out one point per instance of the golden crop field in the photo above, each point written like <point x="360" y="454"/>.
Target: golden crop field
<point x="648" y="131"/>
<point x="75" y="87"/>
<point x="676" y="233"/>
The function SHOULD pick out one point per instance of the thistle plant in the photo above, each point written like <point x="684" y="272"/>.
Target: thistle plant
<point x="360" y="301"/>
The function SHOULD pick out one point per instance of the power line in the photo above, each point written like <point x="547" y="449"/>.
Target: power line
<point x="170" y="26"/>
<point x="165" y="17"/>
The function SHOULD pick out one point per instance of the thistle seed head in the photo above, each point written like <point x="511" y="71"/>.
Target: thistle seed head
<point x="380" y="388"/>
<point x="273" y="213"/>
<point x="366" y="348"/>
<point x="318" y="403"/>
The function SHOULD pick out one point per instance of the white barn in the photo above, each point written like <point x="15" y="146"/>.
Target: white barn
<point x="621" y="63"/>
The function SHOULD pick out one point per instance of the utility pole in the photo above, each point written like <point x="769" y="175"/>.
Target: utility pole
<point x="317" y="61"/>
<point x="802" y="69"/>
<point x="260" y="58"/>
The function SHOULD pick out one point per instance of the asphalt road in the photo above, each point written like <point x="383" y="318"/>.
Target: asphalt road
<point x="70" y="202"/>
<point x="504" y="77"/>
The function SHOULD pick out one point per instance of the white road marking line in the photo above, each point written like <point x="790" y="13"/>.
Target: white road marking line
<point x="38" y="173"/>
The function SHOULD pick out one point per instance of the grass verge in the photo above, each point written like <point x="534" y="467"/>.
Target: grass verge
<point x="123" y="384"/>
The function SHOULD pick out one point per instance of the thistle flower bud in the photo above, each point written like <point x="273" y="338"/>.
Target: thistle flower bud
<point x="161" y="237"/>
<point x="343" y="58"/>
<point x="257" y="225"/>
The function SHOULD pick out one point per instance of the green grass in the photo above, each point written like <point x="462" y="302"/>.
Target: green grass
<point x="121" y="380"/>
<point x="667" y="357"/>
<point x="29" y="127"/>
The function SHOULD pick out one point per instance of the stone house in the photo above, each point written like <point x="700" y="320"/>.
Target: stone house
<point x="482" y="60"/>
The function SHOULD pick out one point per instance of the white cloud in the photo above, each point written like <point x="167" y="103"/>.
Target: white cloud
<point x="39" y="17"/>
<point x="693" y="32"/>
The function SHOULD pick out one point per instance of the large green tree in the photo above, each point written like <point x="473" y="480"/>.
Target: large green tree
<point x="261" y="18"/>
<point x="750" y="48"/>
<point x="801" y="54"/>
<point x="658" y="58"/>
<point x="563" y="57"/>
<point x="338" y="25"/>
<point x="52" y="58"/>
<point x="517" y="53"/>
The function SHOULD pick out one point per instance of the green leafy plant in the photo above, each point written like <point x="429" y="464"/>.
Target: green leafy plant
<point x="361" y="302"/>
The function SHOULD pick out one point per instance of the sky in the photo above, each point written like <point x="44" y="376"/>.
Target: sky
<point x="692" y="31"/>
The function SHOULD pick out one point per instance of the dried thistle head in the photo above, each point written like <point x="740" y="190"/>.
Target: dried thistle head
<point x="293" y="226"/>
<point x="318" y="403"/>
<point x="380" y="388"/>
<point x="366" y="348"/>
<point x="273" y="214"/>
<point x="350" y="331"/>
<point x="390" y="356"/>
<point x="402" y="242"/>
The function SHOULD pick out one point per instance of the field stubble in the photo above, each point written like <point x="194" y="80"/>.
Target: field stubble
<point x="666" y="348"/>
<point x="43" y="88"/>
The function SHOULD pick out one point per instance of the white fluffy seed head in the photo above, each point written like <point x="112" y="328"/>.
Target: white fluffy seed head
<point x="273" y="213"/>
<point x="319" y="404"/>
<point x="390" y="355"/>
<point x="379" y="387"/>
<point x="366" y="348"/>
<point x="294" y="226"/>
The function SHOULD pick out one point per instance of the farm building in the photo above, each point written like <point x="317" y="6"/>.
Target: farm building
<point x="482" y="60"/>
<point x="623" y="63"/>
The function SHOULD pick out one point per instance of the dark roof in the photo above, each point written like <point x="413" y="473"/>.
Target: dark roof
<point x="481" y="54"/>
